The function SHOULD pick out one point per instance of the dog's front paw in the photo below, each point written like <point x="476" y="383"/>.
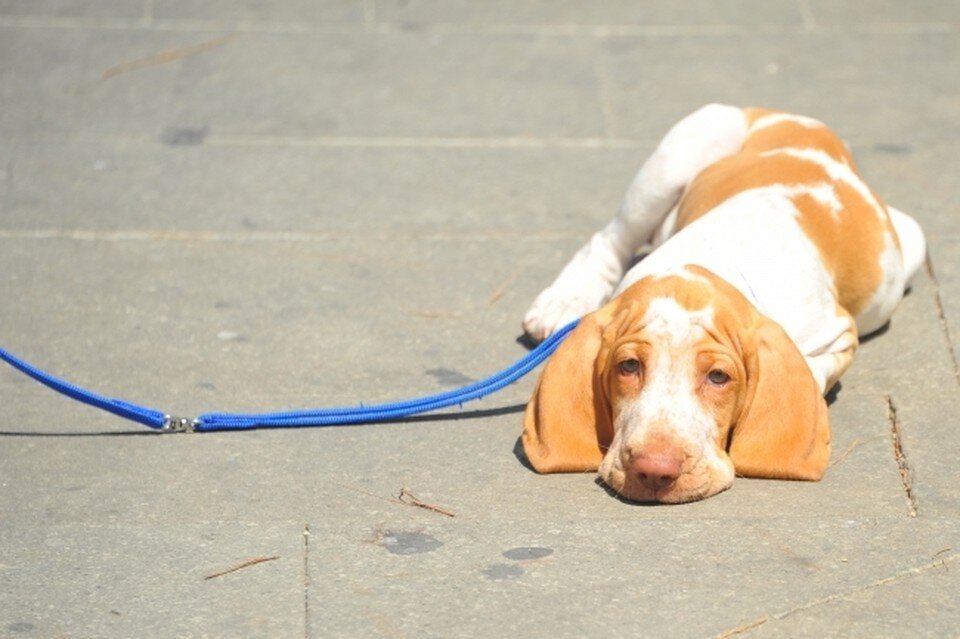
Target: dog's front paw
<point x="582" y="286"/>
<point x="556" y="307"/>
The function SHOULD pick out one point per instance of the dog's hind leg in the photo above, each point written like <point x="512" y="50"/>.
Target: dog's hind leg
<point x="898" y="268"/>
<point x="695" y="142"/>
<point x="830" y="350"/>
<point x="913" y="245"/>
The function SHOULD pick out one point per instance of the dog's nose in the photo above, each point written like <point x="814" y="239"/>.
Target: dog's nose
<point x="656" y="471"/>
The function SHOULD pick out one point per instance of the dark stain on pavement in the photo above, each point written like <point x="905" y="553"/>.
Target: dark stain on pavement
<point x="521" y="554"/>
<point x="448" y="377"/>
<point x="184" y="136"/>
<point x="21" y="626"/>
<point x="894" y="149"/>
<point x="408" y="543"/>
<point x="526" y="553"/>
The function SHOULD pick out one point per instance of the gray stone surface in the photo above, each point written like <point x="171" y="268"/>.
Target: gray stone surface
<point x="250" y="206"/>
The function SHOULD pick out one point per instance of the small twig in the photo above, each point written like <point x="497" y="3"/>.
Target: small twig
<point x="856" y="444"/>
<point x="750" y="625"/>
<point x="408" y="498"/>
<point x="169" y="55"/>
<point x="501" y="290"/>
<point x="365" y="492"/>
<point x="435" y="314"/>
<point x="378" y="533"/>
<point x="241" y="566"/>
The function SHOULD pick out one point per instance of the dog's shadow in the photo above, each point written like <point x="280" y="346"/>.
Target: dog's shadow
<point x="527" y="342"/>
<point x="833" y="393"/>
<point x="522" y="456"/>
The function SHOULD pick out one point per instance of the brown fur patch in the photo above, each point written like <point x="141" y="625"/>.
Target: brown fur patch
<point x="851" y="241"/>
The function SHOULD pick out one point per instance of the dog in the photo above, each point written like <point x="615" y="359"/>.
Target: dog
<point x="710" y="356"/>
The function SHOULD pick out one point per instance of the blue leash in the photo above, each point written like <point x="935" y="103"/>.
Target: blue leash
<point x="162" y="421"/>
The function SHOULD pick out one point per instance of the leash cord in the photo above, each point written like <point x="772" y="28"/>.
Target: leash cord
<point x="299" y="418"/>
<point x="148" y="416"/>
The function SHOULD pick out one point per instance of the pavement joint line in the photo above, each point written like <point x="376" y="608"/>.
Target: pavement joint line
<point x="373" y="142"/>
<point x="369" y="12"/>
<point x="148" y="12"/>
<point x="806" y="12"/>
<point x="306" y="581"/>
<point x="164" y="57"/>
<point x="479" y="142"/>
<point x="942" y="315"/>
<point x="906" y="475"/>
<point x="938" y="561"/>
<point x="7" y="183"/>
<point x="149" y="22"/>
<point x="606" y="103"/>
<point x="379" y="142"/>
<point x="157" y="235"/>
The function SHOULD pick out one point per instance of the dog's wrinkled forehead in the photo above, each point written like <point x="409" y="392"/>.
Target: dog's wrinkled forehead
<point x="676" y="308"/>
<point x="667" y="319"/>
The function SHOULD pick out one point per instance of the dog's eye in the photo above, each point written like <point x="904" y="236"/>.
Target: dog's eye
<point x="717" y="377"/>
<point x="629" y="367"/>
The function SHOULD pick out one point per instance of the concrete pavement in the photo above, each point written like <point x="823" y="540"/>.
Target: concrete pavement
<point x="252" y="206"/>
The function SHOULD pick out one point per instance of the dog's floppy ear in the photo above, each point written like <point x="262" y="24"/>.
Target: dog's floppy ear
<point x="568" y="425"/>
<point x="784" y="429"/>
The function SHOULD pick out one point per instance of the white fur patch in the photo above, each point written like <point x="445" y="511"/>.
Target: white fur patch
<point x="684" y="272"/>
<point x="778" y="118"/>
<point x="837" y="171"/>
<point x="665" y="317"/>
<point x="822" y="192"/>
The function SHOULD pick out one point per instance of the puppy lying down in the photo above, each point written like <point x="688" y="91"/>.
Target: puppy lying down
<point x="709" y="358"/>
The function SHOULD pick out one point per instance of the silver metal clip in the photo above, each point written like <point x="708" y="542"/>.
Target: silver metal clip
<point x="174" y="424"/>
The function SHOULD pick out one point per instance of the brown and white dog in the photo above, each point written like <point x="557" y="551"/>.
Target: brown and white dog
<point x="710" y="357"/>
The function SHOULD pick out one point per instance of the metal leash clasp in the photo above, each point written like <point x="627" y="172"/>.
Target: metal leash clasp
<point x="173" y="424"/>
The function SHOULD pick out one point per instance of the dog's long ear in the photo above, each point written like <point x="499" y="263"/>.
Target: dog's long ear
<point x="568" y="425"/>
<point x="784" y="429"/>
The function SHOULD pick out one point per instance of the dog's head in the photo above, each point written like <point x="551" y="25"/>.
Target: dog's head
<point x="674" y="387"/>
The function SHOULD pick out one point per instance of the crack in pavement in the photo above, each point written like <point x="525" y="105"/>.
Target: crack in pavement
<point x="938" y="561"/>
<point x="942" y="314"/>
<point x="306" y="581"/>
<point x="906" y="475"/>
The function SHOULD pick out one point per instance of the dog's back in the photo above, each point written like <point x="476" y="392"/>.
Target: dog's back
<point x="869" y="252"/>
<point x="804" y="161"/>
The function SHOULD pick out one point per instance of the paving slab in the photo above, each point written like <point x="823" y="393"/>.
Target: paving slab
<point x="913" y="180"/>
<point x="784" y="70"/>
<point x="682" y="578"/>
<point x="118" y="580"/>
<point x="341" y="84"/>
<point x="52" y="81"/>
<point x="878" y="610"/>
<point x="87" y="183"/>
<point x="889" y="13"/>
